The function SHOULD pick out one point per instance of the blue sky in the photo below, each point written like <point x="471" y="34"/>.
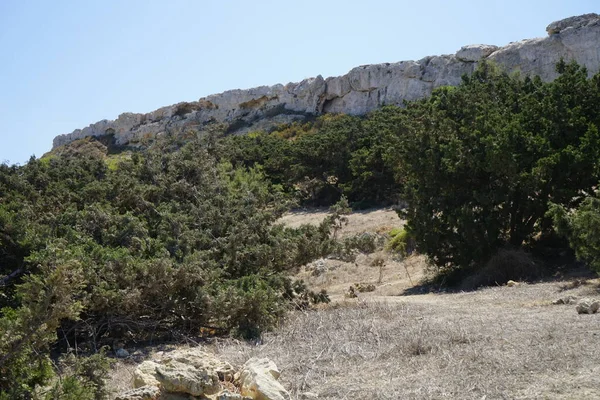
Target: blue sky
<point x="66" y="64"/>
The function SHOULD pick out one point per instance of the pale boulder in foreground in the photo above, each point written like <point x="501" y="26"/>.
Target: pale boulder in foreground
<point x="178" y="377"/>
<point x="193" y="372"/>
<point x="188" y="371"/>
<point x="258" y="380"/>
<point x="145" y="374"/>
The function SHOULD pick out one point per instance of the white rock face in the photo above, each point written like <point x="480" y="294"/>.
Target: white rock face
<point x="572" y="22"/>
<point x="360" y="91"/>
<point x="258" y="380"/>
<point x="145" y="375"/>
<point x="475" y="52"/>
<point x="188" y="371"/>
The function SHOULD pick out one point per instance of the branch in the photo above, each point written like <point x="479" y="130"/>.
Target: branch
<point x="10" y="276"/>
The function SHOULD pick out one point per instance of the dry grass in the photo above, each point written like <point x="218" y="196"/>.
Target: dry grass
<point x="497" y="343"/>
<point x="373" y="220"/>
<point x="390" y="279"/>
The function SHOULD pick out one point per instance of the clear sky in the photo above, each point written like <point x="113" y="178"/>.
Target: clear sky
<point x="67" y="64"/>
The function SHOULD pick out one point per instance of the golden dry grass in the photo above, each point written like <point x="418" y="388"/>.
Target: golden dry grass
<point x="372" y="220"/>
<point x="497" y="343"/>
<point x="494" y="343"/>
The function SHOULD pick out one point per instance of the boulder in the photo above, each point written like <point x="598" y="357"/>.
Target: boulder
<point x="189" y="371"/>
<point x="258" y="380"/>
<point x="177" y="377"/>
<point x="475" y="52"/>
<point x="145" y="375"/>
<point x="121" y="353"/>
<point x="141" y="393"/>
<point x="201" y="360"/>
<point x="587" y="306"/>
<point x="512" y="283"/>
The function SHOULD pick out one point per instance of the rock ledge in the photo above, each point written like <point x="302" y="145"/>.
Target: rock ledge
<point x="360" y="91"/>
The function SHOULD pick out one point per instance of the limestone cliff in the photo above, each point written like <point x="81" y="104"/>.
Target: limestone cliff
<point x="363" y="89"/>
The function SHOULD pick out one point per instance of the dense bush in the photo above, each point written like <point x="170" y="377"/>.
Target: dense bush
<point x="319" y="162"/>
<point x="159" y="245"/>
<point x="400" y="242"/>
<point x="480" y="162"/>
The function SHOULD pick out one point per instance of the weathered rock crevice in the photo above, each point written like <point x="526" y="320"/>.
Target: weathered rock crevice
<point x="361" y="90"/>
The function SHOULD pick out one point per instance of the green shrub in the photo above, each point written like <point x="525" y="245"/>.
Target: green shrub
<point x="171" y="241"/>
<point x="480" y="163"/>
<point x="248" y="306"/>
<point x="581" y="227"/>
<point x="401" y="242"/>
<point x="365" y="242"/>
<point x="302" y="297"/>
<point x="81" y="378"/>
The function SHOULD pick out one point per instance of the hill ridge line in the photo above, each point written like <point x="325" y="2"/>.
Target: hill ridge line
<point x="363" y="89"/>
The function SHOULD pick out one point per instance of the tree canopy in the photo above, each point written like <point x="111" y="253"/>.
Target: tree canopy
<point x="479" y="163"/>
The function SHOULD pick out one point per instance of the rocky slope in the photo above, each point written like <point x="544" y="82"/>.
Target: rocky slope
<point x="363" y="89"/>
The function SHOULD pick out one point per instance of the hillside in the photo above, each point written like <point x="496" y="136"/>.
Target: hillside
<point x="470" y="211"/>
<point x="362" y="90"/>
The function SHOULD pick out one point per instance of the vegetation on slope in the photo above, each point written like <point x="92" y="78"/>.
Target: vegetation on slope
<point x="181" y="238"/>
<point x="169" y="242"/>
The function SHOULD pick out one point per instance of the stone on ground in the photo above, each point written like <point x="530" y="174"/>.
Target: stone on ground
<point x="258" y="380"/>
<point x="565" y="300"/>
<point x="588" y="306"/>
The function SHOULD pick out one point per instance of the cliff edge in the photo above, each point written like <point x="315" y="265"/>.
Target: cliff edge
<point x="361" y="90"/>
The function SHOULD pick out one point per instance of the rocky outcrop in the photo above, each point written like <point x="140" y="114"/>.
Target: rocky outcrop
<point x="141" y="393"/>
<point x="195" y="374"/>
<point x="362" y="90"/>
